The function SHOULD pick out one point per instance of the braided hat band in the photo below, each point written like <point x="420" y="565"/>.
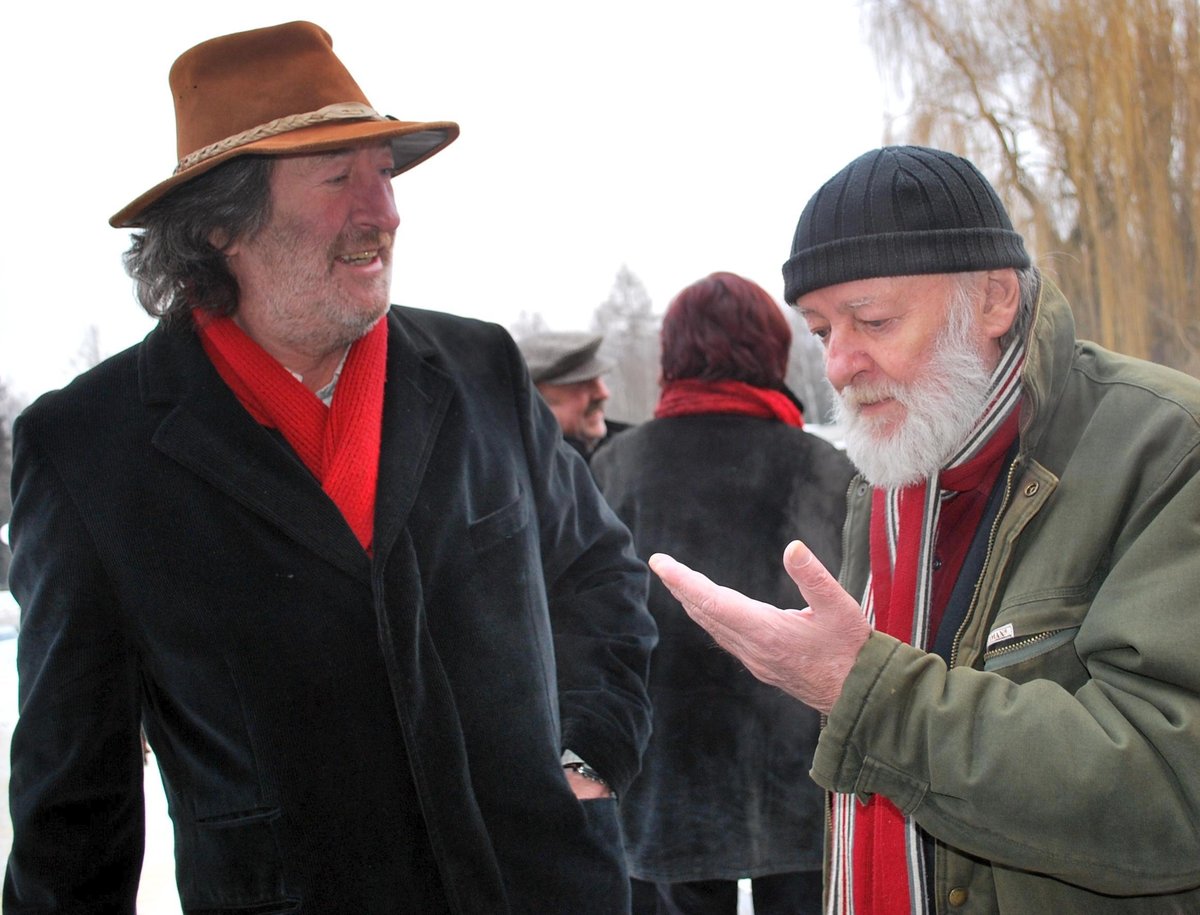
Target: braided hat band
<point x="335" y="112"/>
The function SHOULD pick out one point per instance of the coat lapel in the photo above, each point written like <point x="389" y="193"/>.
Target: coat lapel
<point x="208" y="431"/>
<point x="416" y="399"/>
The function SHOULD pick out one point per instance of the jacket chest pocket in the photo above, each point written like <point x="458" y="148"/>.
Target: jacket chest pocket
<point x="1035" y="640"/>
<point x="500" y="525"/>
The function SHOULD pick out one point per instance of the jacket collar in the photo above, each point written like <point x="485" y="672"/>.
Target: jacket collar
<point x="1050" y="353"/>
<point x="208" y="431"/>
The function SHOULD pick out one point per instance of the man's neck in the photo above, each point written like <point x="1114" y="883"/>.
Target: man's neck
<point x="314" y="370"/>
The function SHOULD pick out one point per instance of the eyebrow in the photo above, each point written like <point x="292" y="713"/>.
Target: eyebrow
<point x="850" y="305"/>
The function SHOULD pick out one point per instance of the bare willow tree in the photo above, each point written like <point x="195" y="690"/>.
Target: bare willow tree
<point x="1086" y="113"/>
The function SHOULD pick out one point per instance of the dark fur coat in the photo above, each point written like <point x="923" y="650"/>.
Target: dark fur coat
<point x="724" y="790"/>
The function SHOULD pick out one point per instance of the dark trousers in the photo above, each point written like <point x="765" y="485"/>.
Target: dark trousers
<point x="779" y="894"/>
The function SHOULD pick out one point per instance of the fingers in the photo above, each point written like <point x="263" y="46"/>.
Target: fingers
<point x="694" y="590"/>
<point x="722" y="611"/>
<point x="815" y="582"/>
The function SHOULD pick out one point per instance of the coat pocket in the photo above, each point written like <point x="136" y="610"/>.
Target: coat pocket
<point x="1045" y="655"/>
<point x="230" y="863"/>
<point x="499" y="525"/>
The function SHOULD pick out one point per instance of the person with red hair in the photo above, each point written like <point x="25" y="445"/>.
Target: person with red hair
<point x="725" y="474"/>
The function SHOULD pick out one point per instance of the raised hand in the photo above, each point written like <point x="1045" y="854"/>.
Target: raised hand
<point x="807" y="653"/>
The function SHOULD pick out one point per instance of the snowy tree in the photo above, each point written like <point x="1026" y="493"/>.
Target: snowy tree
<point x="10" y="406"/>
<point x="527" y="324"/>
<point x="806" y="372"/>
<point x="630" y="327"/>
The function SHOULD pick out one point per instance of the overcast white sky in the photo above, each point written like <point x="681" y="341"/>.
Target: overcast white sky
<point x="674" y="137"/>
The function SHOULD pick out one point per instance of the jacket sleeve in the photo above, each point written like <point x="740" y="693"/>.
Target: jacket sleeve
<point x="1096" y="784"/>
<point x="596" y="589"/>
<point x="76" y="777"/>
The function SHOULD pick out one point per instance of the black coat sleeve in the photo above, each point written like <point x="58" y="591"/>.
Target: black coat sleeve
<point x="76" y="778"/>
<point x="596" y="588"/>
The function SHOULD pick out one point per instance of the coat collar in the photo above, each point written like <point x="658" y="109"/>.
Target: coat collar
<point x="1050" y="354"/>
<point x="208" y="431"/>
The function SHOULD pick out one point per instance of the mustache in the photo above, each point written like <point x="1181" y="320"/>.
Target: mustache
<point x="854" y="396"/>
<point x="362" y="240"/>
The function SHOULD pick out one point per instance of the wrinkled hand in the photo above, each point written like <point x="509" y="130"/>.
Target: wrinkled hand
<point x="807" y="653"/>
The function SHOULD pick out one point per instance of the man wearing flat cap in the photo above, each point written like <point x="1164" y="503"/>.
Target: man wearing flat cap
<point x="569" y="373"/>
<point x="1008" y="659"/>
<point x="386" y="640"/>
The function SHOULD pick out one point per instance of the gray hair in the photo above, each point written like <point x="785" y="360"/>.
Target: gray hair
<point x="1029" y="285"/>
<point x="173" y="261"/>
<point x="1029" y="279"/>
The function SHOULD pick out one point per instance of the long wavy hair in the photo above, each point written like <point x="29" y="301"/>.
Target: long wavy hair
<point x="177" y="261"/>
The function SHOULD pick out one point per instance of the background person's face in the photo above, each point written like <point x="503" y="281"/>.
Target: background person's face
<point x="578" y="407"/>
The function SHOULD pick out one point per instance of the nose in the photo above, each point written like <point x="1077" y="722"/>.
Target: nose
<point x="844" y="360"/>
<point x="599" y="389"/>
<point x="375" y="203"/>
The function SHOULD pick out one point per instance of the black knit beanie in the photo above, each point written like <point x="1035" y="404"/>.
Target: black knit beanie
<point x="898" y="211"/>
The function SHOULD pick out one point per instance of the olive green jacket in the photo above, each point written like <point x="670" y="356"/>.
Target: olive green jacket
<point x="1059" y="771"/>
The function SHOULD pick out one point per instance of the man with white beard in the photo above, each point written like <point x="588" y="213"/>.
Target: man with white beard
<point x="1007" y="659"/>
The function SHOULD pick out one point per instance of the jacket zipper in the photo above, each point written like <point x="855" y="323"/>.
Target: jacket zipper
<point x="1019" y="644"/>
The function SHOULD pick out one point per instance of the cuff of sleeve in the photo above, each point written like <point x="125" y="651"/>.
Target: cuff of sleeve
<point x="838" y="762"/>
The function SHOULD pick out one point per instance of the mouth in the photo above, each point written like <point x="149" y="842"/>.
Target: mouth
<point x="358" y="258"/>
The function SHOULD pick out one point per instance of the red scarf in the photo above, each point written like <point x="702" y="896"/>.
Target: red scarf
<point x="339" y="444"/>
<point x="878" y="865"/>
<point x="691" y="395"/>
<point x="881" y="867"/>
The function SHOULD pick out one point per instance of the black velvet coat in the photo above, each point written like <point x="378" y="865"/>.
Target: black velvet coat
<point x="336" y="733"/>
<point x="724" y="790"/>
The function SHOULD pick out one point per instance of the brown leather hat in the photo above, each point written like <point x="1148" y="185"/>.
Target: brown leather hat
<point x="274" y="91"/>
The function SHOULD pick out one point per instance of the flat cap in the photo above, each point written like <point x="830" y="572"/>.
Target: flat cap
<point x="563" y="357"/>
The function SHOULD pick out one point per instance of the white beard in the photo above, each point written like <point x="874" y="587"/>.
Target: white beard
<point x="941" y="409"/>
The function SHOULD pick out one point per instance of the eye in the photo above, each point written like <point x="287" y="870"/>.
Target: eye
<point x="877" y="324"/>
<point x="821" y="333"/>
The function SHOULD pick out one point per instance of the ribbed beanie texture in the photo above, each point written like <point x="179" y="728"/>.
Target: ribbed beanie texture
<point x="898" y="211"/>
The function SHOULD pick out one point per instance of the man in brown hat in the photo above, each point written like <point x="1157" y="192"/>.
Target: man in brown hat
<point x="569" y="373"/>
<point x="385" y="639"/>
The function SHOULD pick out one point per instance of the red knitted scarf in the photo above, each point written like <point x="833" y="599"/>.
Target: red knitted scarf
<point x="339" y="444"/>
<point x="691" y="395"/>
<point x="878" y="866"/>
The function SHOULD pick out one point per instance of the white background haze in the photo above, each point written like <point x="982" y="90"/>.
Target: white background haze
<point x="676" y="138"/>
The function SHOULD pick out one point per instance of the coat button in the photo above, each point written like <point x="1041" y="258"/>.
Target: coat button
<point x="1031" y="489"/>
<point x="958" y="896"/>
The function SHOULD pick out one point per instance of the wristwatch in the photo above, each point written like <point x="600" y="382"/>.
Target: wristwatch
<point x="573" y="762"/>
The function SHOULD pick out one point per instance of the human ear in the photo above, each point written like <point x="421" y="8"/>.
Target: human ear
<point x="1002" y="299"/>
<point x="219" y="239"/>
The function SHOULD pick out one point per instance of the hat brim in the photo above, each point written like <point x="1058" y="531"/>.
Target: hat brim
<point x="593" y="368"/>
<point x="414" y="142"/>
